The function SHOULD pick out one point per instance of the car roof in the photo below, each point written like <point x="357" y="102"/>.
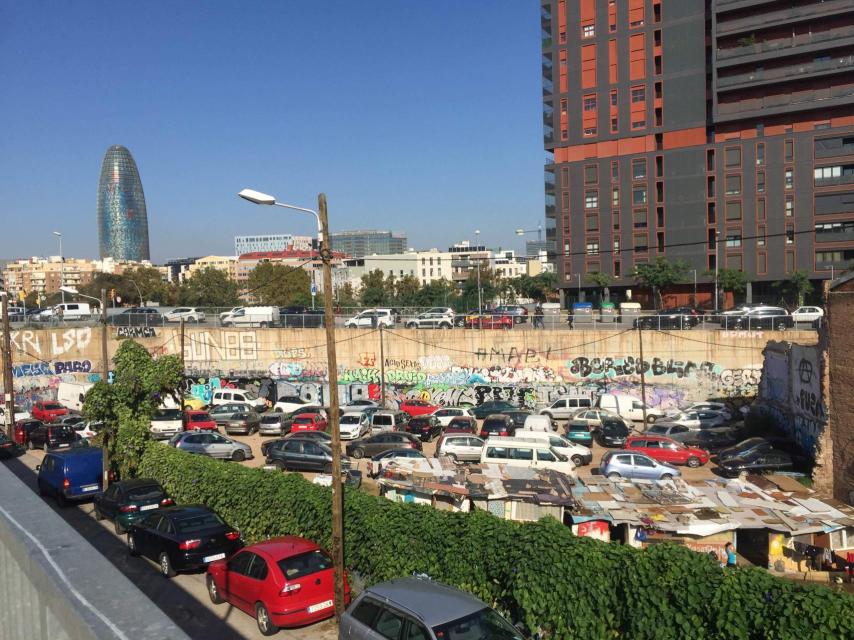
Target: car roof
<point x="137" y="482"/>
<point x="186" y="510"/>
<point x="80" y="451"/>
<point x="432" y="602"/>
<point x="283" y="547"/>
<point x="498" y="416"/>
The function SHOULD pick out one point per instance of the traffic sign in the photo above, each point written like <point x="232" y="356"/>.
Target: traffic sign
<point x="313" y="289"/>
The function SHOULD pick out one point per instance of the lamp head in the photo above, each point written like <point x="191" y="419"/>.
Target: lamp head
<point x="257" y="197"/>
<point x="70" y="290"/>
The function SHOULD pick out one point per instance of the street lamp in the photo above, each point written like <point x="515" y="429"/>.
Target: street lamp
<point x="695" y="286"/>
<point x="717" y="240"/>
<point x="322" y="218"/>
<point x="479" y="294"/>
<point x="133" y="282"/>
<point x="538" y="231"/>
<point x="579" y="285"/>
<point x="61" y="265"/>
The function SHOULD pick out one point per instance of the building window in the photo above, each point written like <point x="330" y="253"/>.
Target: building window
<point x="615" y="171"/>
<point x="613" y="97"/>
<point x="789" y="178"/>
<point x="591" y="174"/>
<point x="639" y="218"/>
<point x="591" y="199"/>
<point x="639" y="195"/>
<point x="827" y="173"/>
<point x="789" y="151"/>
<point x="615" y="217"/>
<point x="790" y="206"/>
<point x="616" y="245"/>
<point x="641" y="243"/>
<point x="760" y="153"/>
<point x="733" y="210"/>
<point x="615" y="128"/>
<point x="590" y="103"/>
<point x="638" y="168"/>
<point x="615" y="197"/>
<point x="732" y="157"/>
<point x="616" y="269"/>
<point x="760" y="182"/>
<point x="790" y="234"/>
<point x="564" y="201"/>
<point x="790" y="261"/>
<point x="564" y="177"/>
<point x="733" y="185"/>
<point x="592" y="248"/>
<point x="638" y="94"/>
<point x="638" y="124"/>
<point x="760" y="209"/>
<point x="592" y="223"/>
<point x="589" y="131"/>
<point x="733" y="240"/>
<point x="761" y="232"/>
<point x="588" y="31"/>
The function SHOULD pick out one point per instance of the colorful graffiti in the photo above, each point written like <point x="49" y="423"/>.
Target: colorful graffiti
<point x="41" y="344"/>
<point x="48" y="369"/>
<point x="595" y="368"/>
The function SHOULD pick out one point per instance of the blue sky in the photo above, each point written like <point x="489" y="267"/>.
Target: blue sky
<point x="423" y="117"/>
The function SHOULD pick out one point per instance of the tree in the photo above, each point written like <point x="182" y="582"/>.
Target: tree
<point x="539" y="287"/>
<point x="406" y="291"/>
<point x="437" y="293"/>
<point x="659" y="274"/>
<point x="601" y="280"/>
<point x="209" y="287"/>
<point x="345" y="296"/>
<point x="468" y="296"/>
<point x="377" y="289"/>
<point x="733" y="280"/>
<point x="795" y="287"/>
<point x="151" y="285"/>
<point x="125" y="406"/>
<point x="279" y="285"/>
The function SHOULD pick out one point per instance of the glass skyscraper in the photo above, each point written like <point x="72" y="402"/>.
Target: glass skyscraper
<point x="122" y="218"/>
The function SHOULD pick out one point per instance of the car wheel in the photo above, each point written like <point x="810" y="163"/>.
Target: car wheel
<point x="165" y="565"/>
<point x="445" y="325"/>
<point x="98" y="515"/>
<point x="577" y="460"/>
<point x="781" y="326"/>
<point x="119" y="527"/>
<point x="132" y="545"/>
<point x="280" y="465"/>
<point x="213" y="591"/>
<point x="358" y="453"/>
<point x="614" y="476"/>
<point x="265" y="624"/>
<point x="411" y="325"/>
<point x="238" y="456"/>
<point x="264" y="325"/>
<point x="651" y="419"/>
<point x="452" y="456"/>
<point x="30" y="445"/>
<point x="693" y="462"/>
<point x="45" y="447"/>
<point x="666" y="476"/>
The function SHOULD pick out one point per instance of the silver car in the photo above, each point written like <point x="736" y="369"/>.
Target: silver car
<point x="616" y="465"/>
<point x="460" y="447"/>
<point x="214" y="445"/>
<point x="272" y="424"/>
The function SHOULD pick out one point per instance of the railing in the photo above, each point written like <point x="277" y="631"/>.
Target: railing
<point x="754" y="48"/>
<point x="785" y="73"/>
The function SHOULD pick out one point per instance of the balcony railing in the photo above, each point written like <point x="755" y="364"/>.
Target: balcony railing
<point x="785" y="73"/>
<point x="754" y="48"/>
<point x="782" y="16"/>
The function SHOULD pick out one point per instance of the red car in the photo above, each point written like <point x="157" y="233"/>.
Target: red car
<point x="283" y="582"/>
<point x="417" y="407"/>
<point x="48" y="411"/>
<point x="308" y="422"/>
<point x="489" y="321"/>
<point x="23" y="428"/>
<point x="668" y="450"/>
<point x="195" y="420"/>
<point x="462" y="424"/>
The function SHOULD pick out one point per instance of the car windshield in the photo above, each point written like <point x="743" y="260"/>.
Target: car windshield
<point x="494" y="424"/>
<point x="196" y="522"/>
<point x="148" y="492"/>
<point x="200" y="417"/>
<point x="250" y="395"/>
<point x="485" y="623"/>
<point x="351" y="419"/>
<point x="52" y="406"/>
<point x="271" y="419"/>
<point x="304" y="564"/>
<point x="749" y="443"/>
<point x="613" y="428"/>
<point x="168" y="414"/>
<point x="304" y="420"/>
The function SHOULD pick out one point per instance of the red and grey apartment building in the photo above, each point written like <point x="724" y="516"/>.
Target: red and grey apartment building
<point x="708" y="130"/>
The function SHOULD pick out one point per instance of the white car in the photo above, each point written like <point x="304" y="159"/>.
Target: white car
<point x="19" y="415"/>
<point x="87" y="429"/>
<point x="720" y="407"/>
<point x="579" y="454"/>
<point x="166" y="423"/>
<point x="187" y="314"/>
<point x="807" y="314"/>
<point x="356" y="405"/>
<point x="409" y="458"/>
<point x="436" y="318"/>
<point x="230" y="312"/>
<point x="289" y="404"/>
<point x="354" y="425"/>
<point x="367" y="318"/>
<point x="446" y="414"/>
<point x="688" y="419"/>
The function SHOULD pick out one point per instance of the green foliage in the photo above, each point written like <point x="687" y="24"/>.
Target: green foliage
<point x="659" y="274"/>
<point x="733" y="280"/>
<point x="539" y="287"/>
<point x="795" y="288"/>
<point x="377" y="289"/>
<point x="345" y="296"/>
<point x="571" y="587"/>
<point x="209" y="287"/>
<point x="280" y="285"/>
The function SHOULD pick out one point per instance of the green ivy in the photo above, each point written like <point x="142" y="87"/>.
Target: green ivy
<point x="540" y="573"/>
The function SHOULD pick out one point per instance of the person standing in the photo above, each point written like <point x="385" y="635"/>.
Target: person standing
<point x="731" y="558"/>
<point x="538" y="316"/>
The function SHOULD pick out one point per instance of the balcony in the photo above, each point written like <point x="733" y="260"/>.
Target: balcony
<point x="762" y="77"/>
<point x="734" y="5"/>
<point x="785" y="103"/>
<point x="789" y="15"/>
<point x="795" y="45"/>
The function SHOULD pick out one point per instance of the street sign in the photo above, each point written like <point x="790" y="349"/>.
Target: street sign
<point x="313" y="289"/>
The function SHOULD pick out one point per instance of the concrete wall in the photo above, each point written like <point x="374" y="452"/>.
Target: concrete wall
<point x="448" y="367"/>
<point x="840" y="341"/>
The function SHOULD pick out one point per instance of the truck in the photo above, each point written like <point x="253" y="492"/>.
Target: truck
<point x="252" y="317"/>
<point x="70" y="395"/>
<point x="628" y="407"/>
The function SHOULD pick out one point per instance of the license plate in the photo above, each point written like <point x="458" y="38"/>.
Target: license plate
<point x="320" y="606"/>
<point x="89" y="487"/>
<point x="218" y="556"/>
<point x="148" y="507"/>
<point x="63" y="445"/>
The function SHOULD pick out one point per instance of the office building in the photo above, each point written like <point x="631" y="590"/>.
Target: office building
<point x="718" y="132"/>
<point x="265" y="243"/>
<point x="177" y="270"/>
<point x="122" y="217"/>
<point x="357" y="244"/>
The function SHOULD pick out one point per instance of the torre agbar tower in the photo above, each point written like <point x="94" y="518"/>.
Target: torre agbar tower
<point x="122" y="218"/>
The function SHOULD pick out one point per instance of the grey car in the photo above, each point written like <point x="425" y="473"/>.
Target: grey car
<point x="302" y="454"/>
<point x="222" y="412"/>
<point x="628" y="464"/>
<point x="382" y="441"/>
<point x="678" y="432"/>
<point x="242" y="422"/>
<point x="418" y="608"/>
<point x="273" y="424"/>
<point x="213" y="445"/>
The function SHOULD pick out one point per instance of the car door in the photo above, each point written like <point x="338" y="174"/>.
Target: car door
<point x="163" y="539"/>
<point x="678" y="432"/>
<point x="471" y="448"/>
<point x="144" y="534"/>
<point x="248" y="583"/>
<point x="217" y="446"/>
<point x="108" y="501"/>
<point x="313" y="456"/>
<point x="292" y="454"/>
<point x="643" y="467"/>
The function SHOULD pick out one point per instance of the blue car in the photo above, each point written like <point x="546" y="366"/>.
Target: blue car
<point x="71" y="474"/>
<point x="616" y="465"/>
<point x="578" y="431"/>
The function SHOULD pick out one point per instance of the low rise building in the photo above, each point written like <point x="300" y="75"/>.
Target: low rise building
<point x="45" y="276"/>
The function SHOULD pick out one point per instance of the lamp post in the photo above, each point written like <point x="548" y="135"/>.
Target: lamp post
<point x="479" y="294"/>
<point x="695" y="286"/>
<point x="538" y="231"/>
<point x="133" y="282"/>
<point x="579" y="286"/>
<point x="717" y="240"/>
<point x="61" y="265"/>
<point x="322" y="218"/>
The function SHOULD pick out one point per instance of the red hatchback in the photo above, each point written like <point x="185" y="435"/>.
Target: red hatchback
<point x="308" y="422"/>
<point x="47" y="411"/>
<point x="283" y="582"/>
<point x="668" y="450"/>
<point x="489" y="321"/>
<point x="196" y="420"/>
<point x="417" y="407"/>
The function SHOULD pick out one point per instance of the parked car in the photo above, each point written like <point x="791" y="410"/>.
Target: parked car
<point x="760" y="318"/>
<point x="214" y="445"/>
<point x="354" y="425"/>
<point x="712" y="439"/>
<point x="165" y="423"/>
<point x="289" y="404"/>
<point x="420" y="609"/>
<point x="593" y="417"/>
<point x="282" y="582"/>
<point x="301" y="317"/>
<point x="398" y="456"/>
<point x="579" y="432"/>
<point x="807" y="314"/>
<point x="523" y="453"/>
<point x="187" y="314"/>
<point x="625" y="464"/>
<point x="18" y="416"/>
<point x="460" y="447"/>
<point x="498" y="424"/>
<point x="756" y="462"/>
<point x="48" y="411"/>
<point x="184" y="538"/>
<point x="676" y="318"/>
<point x="667" y="450"/>
<point x="517" y="312"/>
<point x="445" y="414"/>
<point x="436" y="318"/>
<point x="273" y="424"/>
<point x="489" y="321"/>
<point x="68" y="420"/>
<point x="222" y="412"/>
<point x="492" y="406"/>
<point x="196" y="420"/>
<point x="357" y="404"/>
<point x="565" y="407"/>
<point x="746" y="448"/>
<point x="23" y="428"/>
<point x="688" y="419"/>
<point x="66" y="311"/>
<point x="71" y="474"/>
<point x="385" y="420"/>
<point x="537" y="422"/>
<point x="87" y="429"/>
<point x="229" y="313"/>
<point x="129" y="501"/>
<point x="370" y="318"/>
<point x="416" y="407"/>
<point x="382" y="441"/>
<point x="242" y="422"/>
<point x="677" y="432"/>
<point x="462" y="424"/>
<point x="51" y="436"/>
<point x="426" y="427"/>
<point x="302" y="454"/>
<point x="252" y="317"/>
<point x="518" y="416"/>
<point x="612" y="432"/>
<point x="137" y="317"/>
<point x="461" y="318"/>
<point x="315" y="436"/>
<point x="629" y="407"/>
<point x="229" y="396"/>
<point x="308" y="422"/>
<point x="579" y="454"/>
<point x="718" y="407"/>
<point x="8" y="447"/>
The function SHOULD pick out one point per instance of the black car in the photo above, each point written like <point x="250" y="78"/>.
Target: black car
<point x="756" y="462"/>
<point x="8" y="447"/>
<point x="186" y="538"/>
<point x="498" y="424"/>
<point x="52" y="436"/>
<point x="760" y="318"/>
<point x="137" y="317"/>
<point x="300" y="454"/>
<point x="425" y="427"/>
<point x="492" y="406"/>
<point x="301" y="317"/>
<point x="130" y="501"/>
<point x="612" y="432"/>
<point x="712" y="439"/>
<point x="676" y="318"/>
<point x="382" y="441"/>
<point x="746" y="448"/>
<point x="517" y="416"/>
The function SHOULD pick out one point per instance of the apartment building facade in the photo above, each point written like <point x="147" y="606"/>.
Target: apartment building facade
<point x="718" y="132"/>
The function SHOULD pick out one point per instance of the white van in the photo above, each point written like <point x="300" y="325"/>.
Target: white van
<point x="628" y="407"/>
<point x="578" y="453"/>
<point x="565" y="407"/>
<point x="67" y="311"/>
<point x="70" y="394"/>
<point x="388" y="420"/>
<point x="252" y="317"/>
<point x="228" y="396"/>
<point x="518" y="453"/>
<point x="539" y="423"/>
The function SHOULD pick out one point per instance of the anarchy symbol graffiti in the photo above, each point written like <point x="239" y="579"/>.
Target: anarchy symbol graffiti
<point x="805" y="371"/>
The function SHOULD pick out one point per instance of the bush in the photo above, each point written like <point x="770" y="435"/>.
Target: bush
<point x="538" y="572"/>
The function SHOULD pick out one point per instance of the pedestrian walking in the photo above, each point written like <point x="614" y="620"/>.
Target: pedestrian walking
<point x="538" y="316"/>
<point x="731" y="558"/>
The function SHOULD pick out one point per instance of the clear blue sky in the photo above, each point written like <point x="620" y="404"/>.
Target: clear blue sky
<point x="423" y="117"/>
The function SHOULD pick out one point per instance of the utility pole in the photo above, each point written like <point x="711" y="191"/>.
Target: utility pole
<point x="8" y="388"/>
<point x="643" y="374"/>
<point x="332" y="366"/>
<point x="382" y="368"/>
<point x="105" y="376"/>
<point x="181" y="329"/>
